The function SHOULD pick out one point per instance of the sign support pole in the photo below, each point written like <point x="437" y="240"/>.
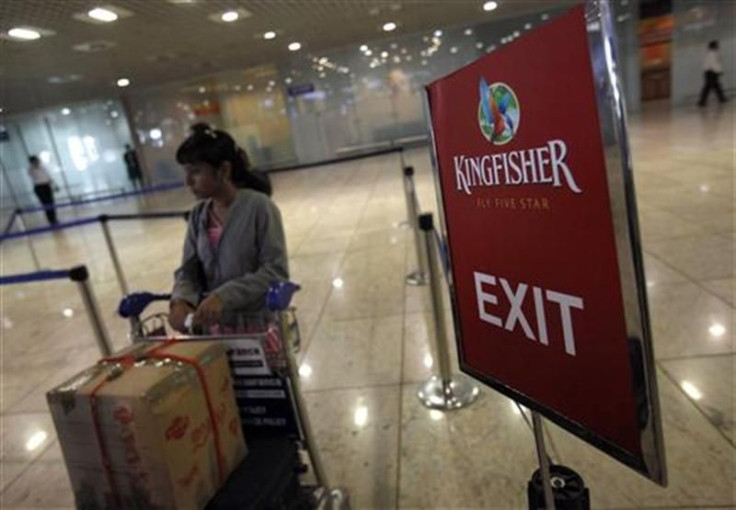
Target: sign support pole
<point x="549" y="498"/>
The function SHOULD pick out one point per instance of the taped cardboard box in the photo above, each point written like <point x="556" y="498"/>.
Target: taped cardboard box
<point x="136" y="430"/>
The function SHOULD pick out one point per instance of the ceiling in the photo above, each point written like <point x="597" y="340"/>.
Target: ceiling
<point x="165" y="40"/>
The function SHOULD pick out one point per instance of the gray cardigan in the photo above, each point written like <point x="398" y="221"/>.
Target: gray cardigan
<point x="251" y="254"/>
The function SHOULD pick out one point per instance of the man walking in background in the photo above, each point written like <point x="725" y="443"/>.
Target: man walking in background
<point x="134" y="168"/>
<point x="713" y="71"/>
<point x="42" y="186"/>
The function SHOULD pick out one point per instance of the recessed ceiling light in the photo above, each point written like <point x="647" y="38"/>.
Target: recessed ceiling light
<point x="202" y="90"/>
<point x="101" y="14"/>
<point x="295" y="46"/>
<point x="528" y="26"/>
<point x="24" y="34"/>
<point x="453" y="49"/>
<point x="490" y="6"/>
<point x="368" y="53"/>
<point x="516" y="33"/>
<point x="65" y="111"/>
<point x="468" y="31"/>
<point x="364" y="47"/>
<point x="230" y="16"/>
<point x="123" y="82"/>
<point x="389" y="27"/>
<point x="269" y="35"/>
<point x="438" y="33"/>
<point x="384" y="54"/>
<point x="250" y="88"/>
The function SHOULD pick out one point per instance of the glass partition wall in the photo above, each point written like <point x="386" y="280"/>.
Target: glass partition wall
<point x="311" y="107"/>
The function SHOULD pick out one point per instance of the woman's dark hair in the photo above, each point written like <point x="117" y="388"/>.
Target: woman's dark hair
<point x="713" y="45"/>
<point x="34" y="160"/>
<point x="214" y="147"/>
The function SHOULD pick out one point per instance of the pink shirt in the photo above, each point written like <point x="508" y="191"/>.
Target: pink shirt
<point x="214" y="229"/>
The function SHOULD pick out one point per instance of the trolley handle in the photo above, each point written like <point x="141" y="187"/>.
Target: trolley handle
<point x="278" y="298"/>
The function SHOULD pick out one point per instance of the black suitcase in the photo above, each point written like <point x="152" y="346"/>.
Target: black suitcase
<point x="267" y="479"/>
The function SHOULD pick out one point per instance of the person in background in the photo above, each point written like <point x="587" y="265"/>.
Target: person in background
<point x="252" y="178"/>
<point x="44" y="187"/>
<point x="712" y="71"/>
<point x="134" y="168"/>
<point x="235" y="245"/>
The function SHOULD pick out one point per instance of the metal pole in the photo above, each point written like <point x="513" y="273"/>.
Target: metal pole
<point x="80" y="275"/>
<point x="419" y="276"/>
<point x="114" y="255"/>
<point x="22" y="225"/>
<point x="449" y="391"/>
<point x="549" y="498"/>
<point x="58" y="158"/>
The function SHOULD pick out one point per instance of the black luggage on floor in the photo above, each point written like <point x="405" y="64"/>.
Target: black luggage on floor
<point x="267" y="479"/>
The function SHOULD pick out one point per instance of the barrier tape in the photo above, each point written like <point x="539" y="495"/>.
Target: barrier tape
<point x="87" y="221"/>
<point x="50" y="228"/>
<point x="152" y="189"/>
<point x="38" y="276"/>
<point x="148" y="216"/>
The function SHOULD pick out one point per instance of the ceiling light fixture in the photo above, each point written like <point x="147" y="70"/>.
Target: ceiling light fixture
<point x="389" y="27"/>
<point x="25" y="34"/>
<point x="269" y="35"/>
<point x="368" y="53"/>
<point x="490" y="6"/>
<point x="438" y="33"/>
<point x="101" y="14"/>
<point x="364" y="47"/>
<point x="65" y="111"/>
<point x="123" y="82"/>
<point x="295" y="46"/>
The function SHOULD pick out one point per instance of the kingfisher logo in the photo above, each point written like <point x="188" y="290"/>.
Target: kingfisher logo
<point x="499" y="112"/>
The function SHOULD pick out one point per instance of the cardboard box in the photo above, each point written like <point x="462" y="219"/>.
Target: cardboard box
<point x="136" y="433"/>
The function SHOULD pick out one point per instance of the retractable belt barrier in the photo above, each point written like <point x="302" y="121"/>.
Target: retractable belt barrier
<point x="80" y="275"/>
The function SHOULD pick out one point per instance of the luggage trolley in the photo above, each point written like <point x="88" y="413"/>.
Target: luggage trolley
<point x="274" y="415"/>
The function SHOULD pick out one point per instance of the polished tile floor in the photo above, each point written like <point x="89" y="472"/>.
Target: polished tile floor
<point x="367" y="335"/>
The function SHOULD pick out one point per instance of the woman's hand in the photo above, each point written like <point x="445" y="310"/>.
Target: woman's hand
<point x="178" y="311"/>
<point x="209" y="311"/>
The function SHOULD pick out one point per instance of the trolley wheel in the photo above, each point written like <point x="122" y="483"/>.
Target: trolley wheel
<point x="568" y="488"/>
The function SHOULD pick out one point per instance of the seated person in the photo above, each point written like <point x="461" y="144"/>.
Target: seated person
<point x="234" y="247"/>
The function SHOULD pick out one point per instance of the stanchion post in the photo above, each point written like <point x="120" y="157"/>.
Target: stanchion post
<point x="549" y="498"/>
<point x="448" y="391"/>
<point x="113" y="254"/>
<point x="22" y="225"/>
<point x="418" y="276"/>
<point x="80" y="275"/>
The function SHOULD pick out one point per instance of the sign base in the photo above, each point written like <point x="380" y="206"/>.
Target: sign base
<point x="570" y="492"/>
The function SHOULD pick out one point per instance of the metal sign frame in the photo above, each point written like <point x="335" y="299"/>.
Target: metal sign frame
<point x="619" y="175"/>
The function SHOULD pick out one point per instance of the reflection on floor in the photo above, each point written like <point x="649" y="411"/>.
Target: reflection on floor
<point x="367" y="335"/>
